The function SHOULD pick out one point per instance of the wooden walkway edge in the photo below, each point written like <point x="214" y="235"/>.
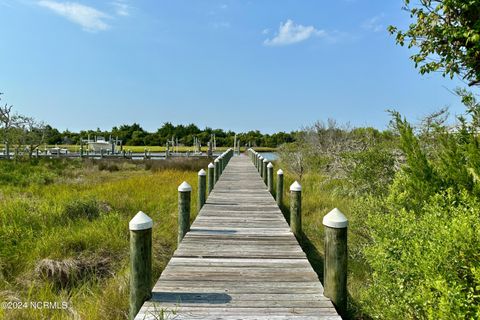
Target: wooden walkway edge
<point x="239" y="260"/>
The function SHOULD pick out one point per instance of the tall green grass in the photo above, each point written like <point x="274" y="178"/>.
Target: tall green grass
<point x="67" y="240"/>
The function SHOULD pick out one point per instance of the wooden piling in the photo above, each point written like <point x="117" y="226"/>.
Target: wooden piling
<point x="221" y="163"/>
<point x="264" y="170"/>
<point x="259" y="161"/>
<point x="211" y="177"/>
<point x="184" y="197"/>
<point x="336" y="257"/>
<point x="217" y="169"/>
<point x="270" y="177"/>
<point x="296" y="209"/>
<point x="202" y="186"/>
<point x="279" y="196"/>
<point x="140" y="261"/>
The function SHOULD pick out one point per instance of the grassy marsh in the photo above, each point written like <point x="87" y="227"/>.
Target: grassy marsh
<point x="64" y="231"/>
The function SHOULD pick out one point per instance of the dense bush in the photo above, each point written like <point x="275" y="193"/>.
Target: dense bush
<point x="415" y="219"/>
<point x="426" y="264"/>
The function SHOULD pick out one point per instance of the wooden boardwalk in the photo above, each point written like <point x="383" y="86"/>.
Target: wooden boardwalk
<point x="239" y="260"/>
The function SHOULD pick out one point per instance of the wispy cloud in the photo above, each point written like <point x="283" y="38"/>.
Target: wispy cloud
<point x="122" y="8"/>
<point x="374" y="24"/>
<point x="291" y="33"/>
<point x="89" y="18"/>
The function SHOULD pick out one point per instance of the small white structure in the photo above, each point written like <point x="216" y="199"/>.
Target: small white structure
<point x="100" y="143"/>
<point x="57" y="151"/>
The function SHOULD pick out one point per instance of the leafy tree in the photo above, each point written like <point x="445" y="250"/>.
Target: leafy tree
<point x="53" y="136"/>
<point x="447" y="34"/>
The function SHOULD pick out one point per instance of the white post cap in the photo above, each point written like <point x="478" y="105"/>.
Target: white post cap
<point x="270" y="165"/>
<point x="202" y="173"/>
<point x="265" y="160"/>
<point x="216" y="160"/>
<point x="280" y="172"/>
<point x="335" y="219"/>
<point x="296" y="186"/>
<point x="211" y="165"/>
<point x="140" y="222"/>
<point x="184" y="187"/>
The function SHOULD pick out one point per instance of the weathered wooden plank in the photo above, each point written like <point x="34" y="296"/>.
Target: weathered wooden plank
<point x="239" y="260"/>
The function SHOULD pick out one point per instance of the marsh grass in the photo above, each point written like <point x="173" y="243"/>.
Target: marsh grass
<point x="67" y="240"/>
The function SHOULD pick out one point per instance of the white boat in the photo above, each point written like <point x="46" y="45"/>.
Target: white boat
<point x="57" y="151"/>
<point x="99" y="144"/>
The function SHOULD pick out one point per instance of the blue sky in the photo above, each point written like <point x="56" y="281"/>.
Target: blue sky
<point x="272" y="65"/>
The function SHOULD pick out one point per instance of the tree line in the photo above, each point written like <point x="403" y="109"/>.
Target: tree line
<point x="23" y="131"/>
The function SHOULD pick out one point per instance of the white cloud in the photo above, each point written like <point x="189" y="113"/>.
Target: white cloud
<point x="89" y="18"/>
<point x="266" y="31"/>
<point x="374" y="24"/>
<point x="290" y="33"/>
<point x="121" y="8"/>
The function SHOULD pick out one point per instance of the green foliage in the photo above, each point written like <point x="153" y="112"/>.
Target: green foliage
<point x="135" y="135"/>
<point x="33" y="172"/>
<point x="57" y="245"/>
<point x="412" y="203"/>
<point x="81" y="208"/>
<point x="425" y="264"/>
<point x="369" y="171"/>
<point x="447" y="35"/>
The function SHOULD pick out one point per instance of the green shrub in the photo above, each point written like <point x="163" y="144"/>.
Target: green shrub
<point x="425" y="265"/>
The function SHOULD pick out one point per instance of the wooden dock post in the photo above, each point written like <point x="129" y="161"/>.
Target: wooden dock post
<point x="140" y="261"/>
<point x="222" y="163"/>
<point x="211" y="177"/>
<point x="184" y="196"/>
<point x="217" y="169"/>
<point x="336" y="257"/>
<point x="296" y="209"/>
<point x="265" y="170"/>
<point x="279" y="196"/>
<point x="202" y="187"/>
<point x="260" y="166"/>
<point x="270" y="177"/>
